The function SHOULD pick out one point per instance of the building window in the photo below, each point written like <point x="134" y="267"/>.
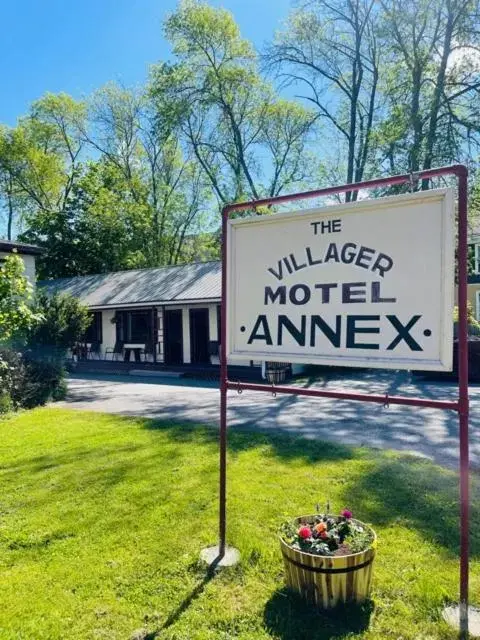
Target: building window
<point x="94" y="332"/>
<point x="134" y="326"/>
<point x="477" y="259"/>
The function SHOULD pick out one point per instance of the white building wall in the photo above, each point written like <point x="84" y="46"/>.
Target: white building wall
<point x="212" y="317"/>
<point x="109" y="330"/>
<point x="160" y="345"/>
<point x="186" y="334"/>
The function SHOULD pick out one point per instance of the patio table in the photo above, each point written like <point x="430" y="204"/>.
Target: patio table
<point x="136" y="348"/>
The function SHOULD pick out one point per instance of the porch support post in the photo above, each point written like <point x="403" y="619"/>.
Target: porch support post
<point x="154" y="333"/>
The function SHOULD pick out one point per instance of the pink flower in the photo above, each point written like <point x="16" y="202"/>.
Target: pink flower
<point x="347" y="514"/>
<point x="304" y="532"/>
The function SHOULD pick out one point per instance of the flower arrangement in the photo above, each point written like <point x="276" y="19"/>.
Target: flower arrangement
<point x="327" y="535"/>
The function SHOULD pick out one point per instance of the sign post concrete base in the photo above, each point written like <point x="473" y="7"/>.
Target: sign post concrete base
<point x="451" y="615"/>
<point x="211" y="556"/>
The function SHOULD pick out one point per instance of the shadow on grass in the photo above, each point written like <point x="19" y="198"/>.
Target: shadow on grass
<point x="174" y="616"/>
<point x="417" y="494"/>
<point x="288" y="617"/>
<point x="394" y="488"/>
<point x="286" y="447"/>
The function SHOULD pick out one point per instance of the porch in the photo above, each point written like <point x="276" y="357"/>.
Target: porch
<point x="186" y="371"/>
<point x="171" y="335"/>
<point x="169" y="339"/>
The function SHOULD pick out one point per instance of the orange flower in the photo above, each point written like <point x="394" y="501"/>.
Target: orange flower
<point x="321" y="526"/>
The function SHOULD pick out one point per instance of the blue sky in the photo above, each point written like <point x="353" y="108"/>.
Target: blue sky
<point x="76" y="47"/>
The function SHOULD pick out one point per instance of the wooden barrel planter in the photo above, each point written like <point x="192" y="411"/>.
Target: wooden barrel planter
<point x="329" y="581"/>
<point x="275" y="372"/>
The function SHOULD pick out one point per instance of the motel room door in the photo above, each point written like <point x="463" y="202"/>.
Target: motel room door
<point x="173" y="336"/>
<point x="199" y="336"/>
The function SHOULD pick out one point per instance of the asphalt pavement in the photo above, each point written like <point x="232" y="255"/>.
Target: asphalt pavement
<point x="431" y="433"/>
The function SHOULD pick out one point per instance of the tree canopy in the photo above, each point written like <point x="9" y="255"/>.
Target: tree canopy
<point x="347" y="89"/>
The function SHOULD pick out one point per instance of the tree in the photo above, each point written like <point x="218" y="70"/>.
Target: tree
<point x="16" y="294"/>
<point x="329" y="52"/>
<point x="161" y="178"/>
<point x="100" y="229"/>
<point x="40" y="158"/>
<point x="248" y="143"/>
<point x="432" y="82"/>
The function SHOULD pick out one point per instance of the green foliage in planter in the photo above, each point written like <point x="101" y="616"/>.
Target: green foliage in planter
<point x="327" y="535"/>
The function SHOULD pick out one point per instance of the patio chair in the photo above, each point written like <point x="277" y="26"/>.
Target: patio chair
<point x="116" y="352"/>
<point x="93" y="352"/>
<point x="147" y="353"/>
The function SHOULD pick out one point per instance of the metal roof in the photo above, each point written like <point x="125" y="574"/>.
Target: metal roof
<point x="175" y="284"/>
<point x="19" y="247"/>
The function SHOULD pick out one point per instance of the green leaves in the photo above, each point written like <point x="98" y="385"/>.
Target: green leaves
<point x="16" y="312"/>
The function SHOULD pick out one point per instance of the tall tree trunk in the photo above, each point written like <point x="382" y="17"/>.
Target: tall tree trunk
<point x="10" y="213"/>
<point x="415" y="117"/>
<point x="437" y="95"/>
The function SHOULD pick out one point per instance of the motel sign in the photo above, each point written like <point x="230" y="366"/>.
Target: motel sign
<point x="366" y="284"/>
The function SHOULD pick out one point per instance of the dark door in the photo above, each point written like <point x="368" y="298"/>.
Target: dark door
<point x="199" y="336"/>
<point x="173" y="336"/>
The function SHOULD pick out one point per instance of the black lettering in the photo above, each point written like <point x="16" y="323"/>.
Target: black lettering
<point x="279" y="275"/>
<point x="336" y="226"/>
<point x="334" y="336"/>
<point x="404" y="333"/>
<point x="382" y="264"/>
<point x="293" y="294"/>
<point x="315" y="225"/>
<point x="350" y="257"/>
<point x="287" y="264"/>
<point x="363" y="255"/>
<point x="376" y="297"/>
<point x="352" y="330"/>
<point x="351" y="294"/>
<point x="261" y="323"/>
<point x="297" y="334"/>
<point x="271" y="296"/>
<point x="311" y="261"/>
<point x="326" y="290"/>
<point x="296" y="266"/>
<point x="332" y="253"/>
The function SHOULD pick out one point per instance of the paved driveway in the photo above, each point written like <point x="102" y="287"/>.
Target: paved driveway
<point x="426" y="432"/>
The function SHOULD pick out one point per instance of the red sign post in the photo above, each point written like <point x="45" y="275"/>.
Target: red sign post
<point x="460" y="405"/>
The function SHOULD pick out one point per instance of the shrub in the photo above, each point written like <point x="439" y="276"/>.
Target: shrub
<point x="28" y="382"/>
<point x="6" y="403"/>
<point x="64" y="322"/>
<point x="44" y="381"/>
<point x="12" y="378"/>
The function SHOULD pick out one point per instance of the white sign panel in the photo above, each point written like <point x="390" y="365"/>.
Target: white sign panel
<point x="365" y="284"/>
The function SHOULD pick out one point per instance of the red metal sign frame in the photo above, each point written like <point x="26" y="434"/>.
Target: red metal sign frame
<point x="460" y="405"/>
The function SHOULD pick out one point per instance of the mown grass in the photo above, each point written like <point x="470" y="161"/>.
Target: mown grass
<point x="102" y="520"/>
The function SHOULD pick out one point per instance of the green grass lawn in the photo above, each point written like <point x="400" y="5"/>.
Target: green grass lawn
<point x="103" y="518"/>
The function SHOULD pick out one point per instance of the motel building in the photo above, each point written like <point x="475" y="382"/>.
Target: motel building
<point x="168" y="316"/>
